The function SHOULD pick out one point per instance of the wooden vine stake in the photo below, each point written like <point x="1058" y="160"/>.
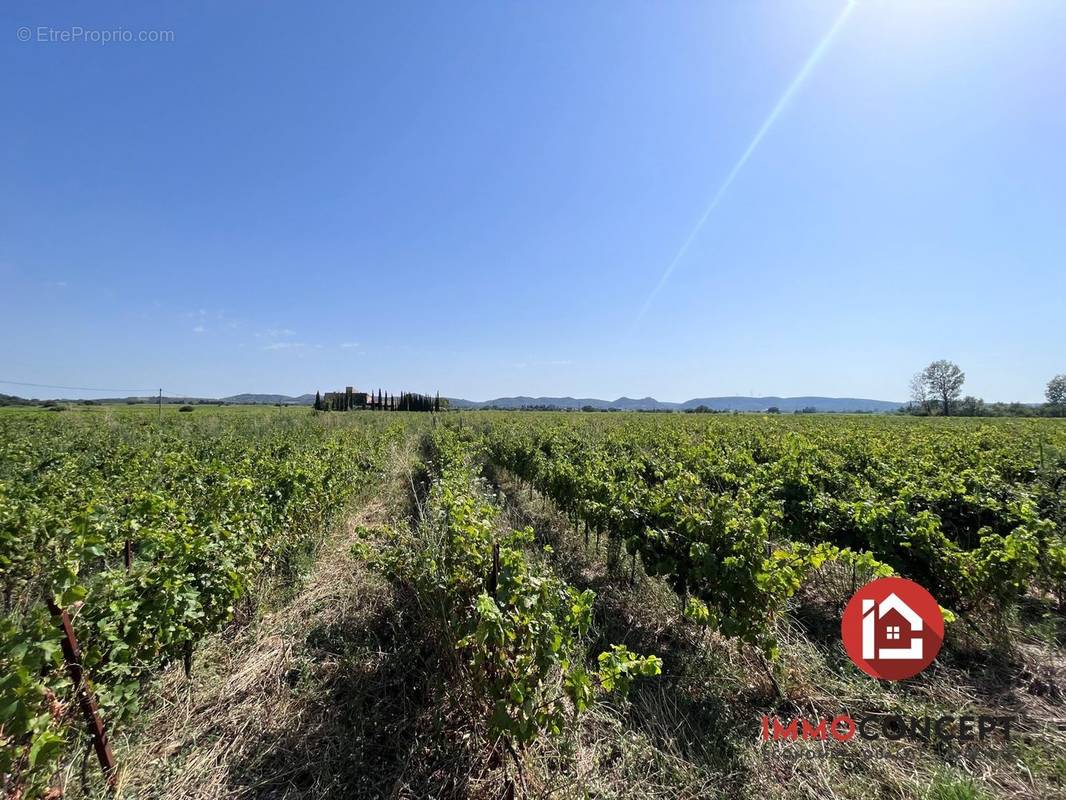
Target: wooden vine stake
<point x="86" y="700"/>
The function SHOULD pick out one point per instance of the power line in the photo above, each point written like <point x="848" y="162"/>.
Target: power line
<point x="144" y="392"/>
<point x="72" y="388"/>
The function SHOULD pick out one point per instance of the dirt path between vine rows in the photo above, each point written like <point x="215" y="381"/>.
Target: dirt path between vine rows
<point x="298" y="702"/>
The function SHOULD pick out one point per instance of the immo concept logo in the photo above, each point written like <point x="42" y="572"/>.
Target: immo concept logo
<point x="892" y="628"/>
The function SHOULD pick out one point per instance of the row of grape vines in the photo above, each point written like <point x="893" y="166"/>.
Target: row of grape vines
<point x="520" y="631"/>
<point x="735" y="512"/>
<point x="150" y="535"/>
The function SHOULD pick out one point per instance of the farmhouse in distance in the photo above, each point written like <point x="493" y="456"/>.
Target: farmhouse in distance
<point x="353" y="400"/>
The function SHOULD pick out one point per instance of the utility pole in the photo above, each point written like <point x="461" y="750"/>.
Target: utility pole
<point x="160" y="405"/>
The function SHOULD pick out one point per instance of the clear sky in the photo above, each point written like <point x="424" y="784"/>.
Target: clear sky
<point x="482" y="197"/>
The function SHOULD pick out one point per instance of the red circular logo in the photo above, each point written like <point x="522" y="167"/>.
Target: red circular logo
<point x="892" y="628"/>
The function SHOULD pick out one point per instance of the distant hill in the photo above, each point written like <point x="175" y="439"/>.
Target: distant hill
<point x="735" y="403"/>
<point x="237" y="399"/>
<point x="788" y="404"/>
<point x="623" y="403"/>
<point x="270" y="399"/>
<point x="12" y="400"/>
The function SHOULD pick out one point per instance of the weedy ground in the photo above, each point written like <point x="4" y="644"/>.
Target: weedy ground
<point x="332" y="688"/>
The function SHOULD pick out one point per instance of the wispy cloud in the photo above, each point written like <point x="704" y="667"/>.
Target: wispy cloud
<point x="350" y="345"/>
<point x="199" y="329"/>
<point x="276" y="333"/>
<point x="204" y="315"/>
<point x="285" y="346"/>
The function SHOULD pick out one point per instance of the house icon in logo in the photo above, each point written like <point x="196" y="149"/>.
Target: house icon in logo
<point x="894" y="621"/>
<point x="892" y="628"/>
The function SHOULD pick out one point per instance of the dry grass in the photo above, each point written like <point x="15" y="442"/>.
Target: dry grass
<point x="298" y="702"/>
<point x="337" y="693"/>
<point x="229" y="732"/>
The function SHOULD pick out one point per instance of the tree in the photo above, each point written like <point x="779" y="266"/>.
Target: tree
<point x="944" y="381"/>
<point x="1056" y="391"/>
<point x="920" y="392"/>
<point x="318" y="401"/>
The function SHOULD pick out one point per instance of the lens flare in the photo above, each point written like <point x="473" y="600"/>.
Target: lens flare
<point x="783" y="101"/>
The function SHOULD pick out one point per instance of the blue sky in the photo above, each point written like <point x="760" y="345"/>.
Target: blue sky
<point x="481" y="197"/>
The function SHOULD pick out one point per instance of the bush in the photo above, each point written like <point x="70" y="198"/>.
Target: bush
<point x="185" y="408"/>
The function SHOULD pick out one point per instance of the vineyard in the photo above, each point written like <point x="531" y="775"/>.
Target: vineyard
<point x="154" y="535"/>
<point x="573" y="604"/>
<point x="734" y="515"/>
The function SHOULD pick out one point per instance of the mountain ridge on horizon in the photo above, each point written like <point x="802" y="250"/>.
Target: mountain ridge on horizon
<point x="721" y="403"/>
<point x="515" y="402"/>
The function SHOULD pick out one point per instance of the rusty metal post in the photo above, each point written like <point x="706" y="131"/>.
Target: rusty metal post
<point x="494" y="576"/>
<point x="86" y="700"/>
